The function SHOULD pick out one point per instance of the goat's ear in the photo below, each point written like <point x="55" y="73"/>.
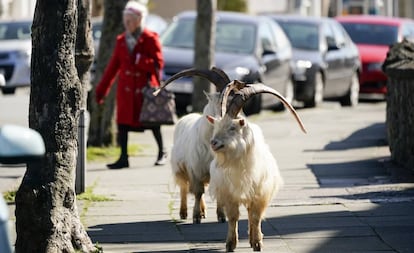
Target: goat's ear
<point x="210" y="119"/>
<point x="242" y="122"/>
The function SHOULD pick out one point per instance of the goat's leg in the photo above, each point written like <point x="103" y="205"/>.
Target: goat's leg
<point x="197" y="210"/>
<point x="232" y="210"/>
<point x="183" y="203"/>
<point x="221" y="217"/>
<point x="255" y="213"/>
<point x="202" y="207"/>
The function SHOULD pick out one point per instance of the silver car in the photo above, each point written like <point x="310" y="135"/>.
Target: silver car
<point x="15" y="54"/>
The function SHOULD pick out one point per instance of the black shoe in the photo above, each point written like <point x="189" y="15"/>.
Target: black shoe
<point x="121" y="163"/>
<point x="162" y="159"/>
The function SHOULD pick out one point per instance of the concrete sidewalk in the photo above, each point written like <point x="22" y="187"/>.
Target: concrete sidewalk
<point x="339" y="194"/>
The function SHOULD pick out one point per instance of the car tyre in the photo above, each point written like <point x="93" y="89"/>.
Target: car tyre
<point x="8" y="90"/>
<point x="317" y="97"/>
<point x="352" y="97"/>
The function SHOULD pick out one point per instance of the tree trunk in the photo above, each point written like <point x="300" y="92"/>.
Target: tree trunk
<point x="46" y="213"/>
<point x="101" y="131"/>
<point x="399" y="67"/>
<point x="204" y="50"/>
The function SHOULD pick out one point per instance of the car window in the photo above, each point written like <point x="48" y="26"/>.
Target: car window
<point x="281" y="39"/>
<point x="230" y="36"/>
<point x="340" y="38"/>
<point x="302" y="35"/>
<point x="15" y="31"/>
<point x="374" y="34"/>
<point x="267" y="38"/>
<point x="408" y="31"/>
<point x="329" y="35"/>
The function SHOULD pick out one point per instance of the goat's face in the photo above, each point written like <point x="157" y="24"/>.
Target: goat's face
<point x="229" y="135"/>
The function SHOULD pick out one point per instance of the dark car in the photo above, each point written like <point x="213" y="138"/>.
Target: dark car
<point x="248" y="48"/>
<point x="326" y="61"/>
<point x="15" y="54"/>
<point x="373" y="35"/>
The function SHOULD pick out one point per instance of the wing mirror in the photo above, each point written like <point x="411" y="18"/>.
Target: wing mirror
<point x="20" y="145"/>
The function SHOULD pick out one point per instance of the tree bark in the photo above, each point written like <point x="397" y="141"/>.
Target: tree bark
<point x="399" y="67"/>
<point x="101" y="131"/>
<point x="46" y="213"/>
<point x="204" y="50"/>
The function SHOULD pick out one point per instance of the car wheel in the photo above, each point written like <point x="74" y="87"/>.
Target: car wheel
<point x="317" y="97"/>
<point x="8" y="90"/>
<point x="352" y="97"/>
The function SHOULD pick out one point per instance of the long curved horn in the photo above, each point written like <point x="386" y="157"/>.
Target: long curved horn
<point x="249" y="91"/>
<point x="221" y="73"/>
<point x="214" y="75"/>
<point x="235" y="85"/>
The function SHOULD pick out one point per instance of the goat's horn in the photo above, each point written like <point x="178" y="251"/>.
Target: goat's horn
<point x="250" y="90"/>
<point x="222" y="74"/>
<point x="234" y="85"/>
<point x="216" y="76"/>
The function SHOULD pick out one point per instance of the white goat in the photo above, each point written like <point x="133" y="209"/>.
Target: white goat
<point x="244" y="170"/>
<point x="190" y="154"/>
<point x="191" y="157"/>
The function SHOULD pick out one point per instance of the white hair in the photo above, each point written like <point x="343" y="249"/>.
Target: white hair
<point x="137" y="8"/>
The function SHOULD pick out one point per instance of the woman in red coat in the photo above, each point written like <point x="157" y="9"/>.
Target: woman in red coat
<point x="136" y="60"/>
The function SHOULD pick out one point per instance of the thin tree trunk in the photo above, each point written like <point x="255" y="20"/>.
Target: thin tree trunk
<point x="46" y="213"/>
<point x="204" y="50"/>
<point x="101" y="131"/>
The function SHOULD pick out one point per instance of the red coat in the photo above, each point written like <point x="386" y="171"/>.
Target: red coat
<point x="133" y="72"/>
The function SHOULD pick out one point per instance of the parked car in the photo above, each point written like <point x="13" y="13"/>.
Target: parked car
<point x="17" y="145"/>
<point x="373" y="36"/>
<point x="15" y="53"/>
<point x="248" y="48"/>
<point x="326" y="61"/>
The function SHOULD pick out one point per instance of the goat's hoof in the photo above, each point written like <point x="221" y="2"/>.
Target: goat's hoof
<point x="183" y="216"/>
<point x="221" y="219"/>
<point x="230" y="246"/>
<point x="257" y="246"/>
<point x="196" y="220"/>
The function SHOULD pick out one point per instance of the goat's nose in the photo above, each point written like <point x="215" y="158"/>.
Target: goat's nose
<point x="213" y="142"/>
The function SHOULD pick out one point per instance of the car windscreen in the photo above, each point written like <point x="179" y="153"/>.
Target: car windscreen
<point x="302" y="35"/>
<point x="15" y="30"/>
<point x="372" y="34"/>
<point x="231" y="37"/>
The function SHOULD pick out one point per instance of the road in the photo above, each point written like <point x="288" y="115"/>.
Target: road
<point x="15" y="108"/>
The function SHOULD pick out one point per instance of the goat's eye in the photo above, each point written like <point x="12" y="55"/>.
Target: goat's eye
<point x="232" y="128"/>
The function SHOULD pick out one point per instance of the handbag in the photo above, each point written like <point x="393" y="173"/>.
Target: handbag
<point x="157" y="110"/>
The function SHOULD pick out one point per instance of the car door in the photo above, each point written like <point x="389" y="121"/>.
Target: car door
<point x="275" y="54"/>
<point x="334" y="62"/>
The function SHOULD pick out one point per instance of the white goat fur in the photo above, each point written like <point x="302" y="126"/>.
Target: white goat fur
<point x="191" y="157"/>
<point x="243" y="171"/>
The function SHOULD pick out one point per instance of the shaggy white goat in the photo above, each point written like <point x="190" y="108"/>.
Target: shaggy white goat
<point x="190" y="154"/>
<point x="191" y="157"/>
<point x="244" y="170"/>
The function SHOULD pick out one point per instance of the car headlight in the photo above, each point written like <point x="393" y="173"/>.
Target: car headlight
<point x="374" y="66"/>
<point x="303" y="64"/>
<point x="300" y="68"/>
<point x="237" y="73"/>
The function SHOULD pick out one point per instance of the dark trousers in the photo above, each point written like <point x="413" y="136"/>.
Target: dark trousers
<point x="122" y="138"/>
